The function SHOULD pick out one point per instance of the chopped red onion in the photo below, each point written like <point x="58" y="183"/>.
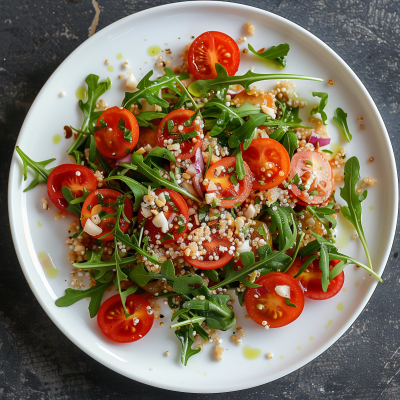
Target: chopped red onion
<point x="323" y="141"/>
<point x="199" y="162"/>
<point x="197" y="186"/>
<point x="125" y="159"/>
<point x="171" y="218"/>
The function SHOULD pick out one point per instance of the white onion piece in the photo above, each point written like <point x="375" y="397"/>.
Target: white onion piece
<point x="192" y="211"/>
<point x="212" y="187"/>
<point x="199" y="162"/>
<point x="197" y="186"/>
<point x="171" y="218"/>
<point x="191" y="170"/>
<point x="323" y="141"/>
<point x="189" y="188"/>
<point x="91" y="228"/>
<point x="283" y="290"/>
<point x="125" y="159"/>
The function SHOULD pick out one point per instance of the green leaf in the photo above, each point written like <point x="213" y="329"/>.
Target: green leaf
<point x="185" y="336"/>
<point x="323" y="214"/>
<point x="324" y="267"/>
<point x="39" y="169"/>
<point x="74" y="208"/>
<point x="240" y="170"/>
<point x="289" y="142"/>
<point x="211" y="274"/>
<point x="203" y="212"/>
<point x="127" y="132"/>
<point x="276" y="53"/>
<point x="160" y="152"/>
<point x="321" y="107"/>
<point x="306" y="264"/>
<point x="223" y="81"/>
<point x="288" y="303"/>
<point x="353" y="199"/>
<point x="95" y="293"/>
<point x="95" y="90"/>
<point x="144" y="117"/>
<point x="341" y="120"/>
<point x="246" y="131"/>
<point x="184" y="284"/>
<point x="149" y="90"/>
<point x="209" y="159"/>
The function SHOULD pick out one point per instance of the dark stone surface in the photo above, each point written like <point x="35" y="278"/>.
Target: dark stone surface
<point x="36" y="360"/>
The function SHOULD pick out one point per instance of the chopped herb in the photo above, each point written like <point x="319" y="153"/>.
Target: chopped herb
<point x="167" y="237"/>
<point x="314" y="192"/>
<point x="233" y="179"/>
<point x="341" y="120"/>
<point x="288" y="303"/>
<point x="181" y="229"/>
<point x="308" y="162"/>
<point x="322" y="104"/>
<point x="257" y="200"/>
<point x="261" y="230"/>
<point x="327" y="151"/>
<point x="127" y="132"/>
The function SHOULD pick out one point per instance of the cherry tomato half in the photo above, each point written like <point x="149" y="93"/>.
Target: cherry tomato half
<point x="178" y="117"/>
<point x="176" y="205"/>
<point x="75" y="177"/>
<point x="269" y="162"/>
<point x="228" y="192"/>
<point x="315" y="174"/>
<point x="110" y="140"/>
<point x="112" y="321"/>
<point x="269" y="306"/>
<point x="213" y="249"/>
<point x="210" y="48"/>
<point x="106" y="198"/>
<point x="310" y="279"/>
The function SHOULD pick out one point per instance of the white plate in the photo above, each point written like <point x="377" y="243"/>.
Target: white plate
<point x="322" y="323"/>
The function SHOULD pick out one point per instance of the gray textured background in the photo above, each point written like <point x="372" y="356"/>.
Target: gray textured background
<point x="36" y="360"/>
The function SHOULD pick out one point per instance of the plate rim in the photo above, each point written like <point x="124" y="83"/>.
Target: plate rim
<point x="389" y="149"/>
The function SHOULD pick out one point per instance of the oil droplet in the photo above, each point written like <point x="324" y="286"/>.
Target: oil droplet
<point x="298" y="348"/>
<point x="371" y="208"/>
<point x="250" y="353"/>
<point x="39" y="224"/>
<point x="205" y="374"/>
<point x="153" y="50"/>
<point x="311" y="338"/>
<point x="345" y="233"/>
<point x="120" y="56"/>
<point x="326" y="326"/>
<point x="340" y="307"/>
<point x="198" y="371"/>
<point x="281" y="357"/>
<point x="356" y="284"/>
<point x="50" y="270"/>
<point x="110" y="68"/>
<point x="330" y="322"/>
<point x="81" y="93"/>
<point x="344" y="290"/>
<point x="56" y="138"/>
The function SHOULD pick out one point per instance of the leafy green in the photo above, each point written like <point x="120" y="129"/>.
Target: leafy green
<point x="341" y="120"/>
<point x="144" y="117"/>
<point x="324" y="266"/>
<point x="353" y="210"/>
<point x="127" y="132"/>
<point x="275" y="53"/>
<point x="223" y="80"/>
<point x="149" y="90"/>
<point x="240" y="171"/>
<point x="38" y="167"/>
<point x="74" y="208"/>
<point x="184" y="284"/>
<point x="321" y="107"/>
<point x="324" y="214"/>
<point x="185" y="336"/>
<point x="95" y="293"/>
<point x="95" y="90"/>
<point x="246" y="131"/>
<point x="288" y="303"/>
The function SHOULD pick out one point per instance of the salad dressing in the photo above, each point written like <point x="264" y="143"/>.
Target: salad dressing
<point x="48" y="267"/>
<point x="56" y="138"/>
<point x="120" y="56"/>
<point x="81" y="93"/>
<point x="154" y="50"/>
<point x="251" y="354"/>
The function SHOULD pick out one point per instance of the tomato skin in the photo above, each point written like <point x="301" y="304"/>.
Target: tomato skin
<point x="111" y="143"/>
<point x="188" y="148"/>
<point x="311" y="281"/>
<point x="180" y="204"/>
<point x="109" y="197"/>
<point x="273" y="303"/>
<point x="322" y="179"/>
<point x="224" y="184"/>
<point x="120" y="329"/>
<point x="262" y="152"/>
<point x="213" y="47"/>
<point x="65" y="175"/>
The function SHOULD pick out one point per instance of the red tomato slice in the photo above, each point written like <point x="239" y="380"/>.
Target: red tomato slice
<point x="210" y="48"/>
<point x="269" y="162"/>
<point x="274" y="309"/>
<point x="75" y="177"/>
<point x="228" y="193"/>
<point x="176" y="205"/>
<point x="106" y="198"/>
<point x="213" y="249"/>
<point x="188" y="147"/>
<point x="110" y="140"/>
<point x="310" y="279"/>
<point x="112" y="321"/>
<point x="315" y="174"/>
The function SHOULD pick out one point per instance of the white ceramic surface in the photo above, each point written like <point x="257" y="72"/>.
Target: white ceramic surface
<point x="172" y="26"/>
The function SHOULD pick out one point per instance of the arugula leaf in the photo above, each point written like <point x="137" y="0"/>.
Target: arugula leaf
<point x="324" y="213"/>
<point x="322" y="104"/>
<point x="275" y="53"/>
<point x="149" y="90"/>
<point x="95" y="293"/>
<point x="74" y="208"/>
<point x="223" y="81"/>
<point x="324" y="267"/>
<point x="288" y="140"/>
<point x="38" y="167"/>
<point x="155" y="177"/>
<point x="184" y="137"/>
<point x="144" y="117"/>
<point x="185" y="336"/>
<point x="127" y="132"/>
<point x="203" y="211"/>
<point x="160" y="152"/>
<point x="341" y="120"/>
<point x="141" y="276"/>
<point x="95" y="90"/>
<point x="246" y="131"/>
<point x="240" y="171"/>
<point x="183" y="284"/>
<point x="353" y="210"/>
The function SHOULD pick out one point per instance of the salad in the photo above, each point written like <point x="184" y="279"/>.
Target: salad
<point x="202" y="189"/>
